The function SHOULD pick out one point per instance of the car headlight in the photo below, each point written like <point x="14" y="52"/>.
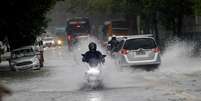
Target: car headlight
<point x="59" y="42"/>
<point x="53" y="42"/>
<point x="35" y="60"/>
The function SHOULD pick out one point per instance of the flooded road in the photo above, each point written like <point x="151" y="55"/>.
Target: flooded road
<point x="62" y="79"/>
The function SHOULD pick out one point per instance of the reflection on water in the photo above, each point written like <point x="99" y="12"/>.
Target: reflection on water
<point x="94" y="96"/>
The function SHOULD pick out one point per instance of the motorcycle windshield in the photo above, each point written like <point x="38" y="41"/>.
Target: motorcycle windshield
<point x="94" y="62"/>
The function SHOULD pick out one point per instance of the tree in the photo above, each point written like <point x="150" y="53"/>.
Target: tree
<point x="197" y="7"/>
<point x="149" y="15"/>
<point x="172" y="13"/>
<point x="167" y="13"/>
<point x="129" y="9"/>
<point x="22" y="21"/>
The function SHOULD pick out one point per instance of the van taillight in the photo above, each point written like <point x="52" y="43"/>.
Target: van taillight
<point x="156" y="50"/>
<point x="124" y="51"/>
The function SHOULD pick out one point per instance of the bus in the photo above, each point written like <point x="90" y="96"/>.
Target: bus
<point x="76" y="27"/>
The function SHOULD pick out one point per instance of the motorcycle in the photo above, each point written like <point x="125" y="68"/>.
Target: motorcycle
<point x="93" y="74"/>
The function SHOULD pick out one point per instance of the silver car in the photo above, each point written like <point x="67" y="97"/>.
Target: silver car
<point x="139" y="50"/>
<point x="24" y="58"/>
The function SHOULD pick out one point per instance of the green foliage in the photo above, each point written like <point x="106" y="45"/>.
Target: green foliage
<point x="197" y="7"/>
<point x="22" y="20"/>
<point x="100" y="5"/>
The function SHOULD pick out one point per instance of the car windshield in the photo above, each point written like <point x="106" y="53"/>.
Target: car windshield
<point x="134" y="44"/>
<point x="22" y="53"/>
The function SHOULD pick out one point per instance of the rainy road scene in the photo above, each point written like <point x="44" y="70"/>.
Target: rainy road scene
<point x="100" y="50"/>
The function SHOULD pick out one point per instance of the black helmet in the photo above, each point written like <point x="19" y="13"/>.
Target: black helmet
<point x="92" y="46"/>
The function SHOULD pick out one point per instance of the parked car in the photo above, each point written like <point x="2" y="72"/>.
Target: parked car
<point x="25" y="58"/>
<point x="139" y="50"/>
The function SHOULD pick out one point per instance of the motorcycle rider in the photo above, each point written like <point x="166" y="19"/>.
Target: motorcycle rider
<point x="113" y="43"/>
<point x="93" y="54"/>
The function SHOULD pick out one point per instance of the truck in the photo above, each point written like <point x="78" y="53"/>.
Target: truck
<point x="116" y="27"/>
<point x="76" y="27"/>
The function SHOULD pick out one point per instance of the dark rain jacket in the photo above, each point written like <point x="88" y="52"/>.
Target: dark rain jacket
<point x="93" y="57"/>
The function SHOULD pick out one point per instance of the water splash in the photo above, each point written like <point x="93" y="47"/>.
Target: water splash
<point x="177" y="58"/>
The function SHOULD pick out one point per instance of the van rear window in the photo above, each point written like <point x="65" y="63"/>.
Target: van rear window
<point x="134" y="44"/>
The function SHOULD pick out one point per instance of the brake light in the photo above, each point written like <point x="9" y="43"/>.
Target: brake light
<point x="78" y="26"/>
<point x="156" y="50"/>
<point x="124" y="51"/>
<point x="69" y="37"/>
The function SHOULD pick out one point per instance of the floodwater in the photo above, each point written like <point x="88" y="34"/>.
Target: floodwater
<point x="62" y="79"/>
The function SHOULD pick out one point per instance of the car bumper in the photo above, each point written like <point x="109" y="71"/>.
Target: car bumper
<point x="125" y="62"/>
<point x="25" y="67"/>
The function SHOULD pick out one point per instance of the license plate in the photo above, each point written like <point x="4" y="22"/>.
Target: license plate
<point x="140" y="53"/>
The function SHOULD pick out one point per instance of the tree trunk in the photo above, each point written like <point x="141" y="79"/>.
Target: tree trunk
<point x="174" y="27"/>
<point x="146" y="26"/>
<point x="138" y="25"/>
<point x="155" y="27"/>
<point x="132" y="25"/>
<point x="179" y="25"/>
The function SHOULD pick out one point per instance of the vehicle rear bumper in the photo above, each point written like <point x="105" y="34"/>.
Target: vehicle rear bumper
<point x="140" y="64"/>
<point x="126" y="62"/>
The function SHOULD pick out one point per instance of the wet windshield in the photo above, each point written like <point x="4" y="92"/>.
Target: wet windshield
<point x="23" y="53"/>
